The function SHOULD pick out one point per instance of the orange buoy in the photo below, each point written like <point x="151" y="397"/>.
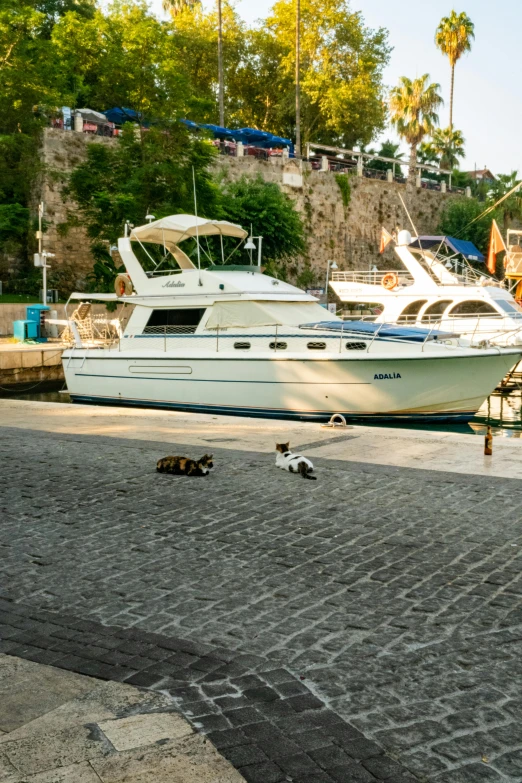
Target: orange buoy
<point x="390" y="281"/>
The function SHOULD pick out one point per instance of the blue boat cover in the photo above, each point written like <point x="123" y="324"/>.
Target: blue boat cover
<point x="385" y="331"/>
<point x="462" y="246"/>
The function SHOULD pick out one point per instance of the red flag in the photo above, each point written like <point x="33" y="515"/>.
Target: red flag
<point x="496" y="245"/>
<point x="386" y="238"/>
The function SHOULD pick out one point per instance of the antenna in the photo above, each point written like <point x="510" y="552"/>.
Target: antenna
<point x="197" y="226"/>
<point x="409" y="216"/>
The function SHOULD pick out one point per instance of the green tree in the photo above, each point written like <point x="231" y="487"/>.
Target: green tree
<point x="453" y="37"/>
<point x="27" y="68"/>
<point x="175" y="7"/>
<point x="341" y="68"/>
<point x="125" y="57"/>
<point x="447" y="147"/>
<point x="194" y="37"/>
<point x="271" y="214"/>
<point x="136" y="177"/>
<point x="413" y="105"/>
<point x="457" y="216"/>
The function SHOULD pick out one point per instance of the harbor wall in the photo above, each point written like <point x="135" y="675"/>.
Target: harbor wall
<point x="345" y="230"/>
<point x="29" y="365"/>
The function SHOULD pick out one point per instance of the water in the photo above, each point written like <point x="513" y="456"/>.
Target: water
<point x="502" y="411"/>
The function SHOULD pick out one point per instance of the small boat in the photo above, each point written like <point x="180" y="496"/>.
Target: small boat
<point x="229" y="339"/>
<point x="435" y="288"/>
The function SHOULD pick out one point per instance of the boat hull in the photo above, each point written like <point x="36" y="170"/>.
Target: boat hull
<point x="452" y="386"/>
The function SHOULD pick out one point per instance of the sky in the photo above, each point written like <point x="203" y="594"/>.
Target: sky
<point x="488" y="86"/>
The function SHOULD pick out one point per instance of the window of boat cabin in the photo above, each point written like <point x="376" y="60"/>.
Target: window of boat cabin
<point x="435" y="310"/>
<point x="353" y="311"/>
<point x="178" y="321"/>
<point x="471" y="308"/>
<point x="511" y="308"/>
<point x="411" y="311"/>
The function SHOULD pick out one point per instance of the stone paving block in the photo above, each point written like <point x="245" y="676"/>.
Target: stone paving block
<point x="103" y="701"/>
<point x="266" y="772"/>
<point x="471" y="773"/>
<point x="7" y="769"/>
<point x="29" y="691"/>
<point x="353" y="773"/>
<point x="139" y="730"/>
<point x="49" y="751"/>
<point x="243" y="755"/>
<point x="186" y="760"/>
<point x="75" y="773"/>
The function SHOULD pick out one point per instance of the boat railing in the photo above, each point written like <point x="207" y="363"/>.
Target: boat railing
<point x="183" y="340"/>
<point x="372" y="277"/>
<point x="461" y="274"/>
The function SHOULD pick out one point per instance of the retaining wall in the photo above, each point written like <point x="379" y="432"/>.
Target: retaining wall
<point x="347" y="233"/>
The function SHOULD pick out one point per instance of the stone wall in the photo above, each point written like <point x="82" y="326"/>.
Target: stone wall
<point x="62" y="151"/>
<point x="348" y="234"/>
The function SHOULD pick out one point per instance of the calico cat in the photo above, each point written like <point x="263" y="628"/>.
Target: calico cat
<point x="183" y="466"/>
<point x="294" y="463"/>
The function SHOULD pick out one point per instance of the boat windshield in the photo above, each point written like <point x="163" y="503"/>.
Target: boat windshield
<point x="512" y="308"/>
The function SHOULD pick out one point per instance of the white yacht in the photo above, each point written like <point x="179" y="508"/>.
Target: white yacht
<point x="232" y="340"/>
<point x="436" y="287"/>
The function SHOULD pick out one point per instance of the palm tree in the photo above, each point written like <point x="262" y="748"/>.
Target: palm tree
<point x="447" y="146"/>
<point x="413" y="106"/>
<point x="511" y="208"/>
<point x="453" y="37"/>
<point x="175" y="7"/>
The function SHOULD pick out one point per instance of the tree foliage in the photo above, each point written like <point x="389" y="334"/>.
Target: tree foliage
<point x="511" y="208"/>
<point x="457" y="216"/>
<point x="446" y="146"/>
<point x="154" y="175"/>
<point x="453" y="37"/>
<point x="141" y="175"/>
<point x="270" y="213"/>
<point x="342" y="62"/>
<point x="413" y="106"/>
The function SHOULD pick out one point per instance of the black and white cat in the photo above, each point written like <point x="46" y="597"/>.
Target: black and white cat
<point x="294" y="463"/>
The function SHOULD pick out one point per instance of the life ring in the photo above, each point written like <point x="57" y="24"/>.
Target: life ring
<point x="390" y="281"/>
<point x="123" y="285"/>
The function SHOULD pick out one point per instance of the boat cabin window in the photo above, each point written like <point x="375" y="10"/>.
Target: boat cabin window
<point x="435" y="310"/>
<point x="178" y="321"/>
<point x="355" y="311"/>
<point x="279" y="346"/>
<point x="472" y="308"/>
<point x="411" y="311"/>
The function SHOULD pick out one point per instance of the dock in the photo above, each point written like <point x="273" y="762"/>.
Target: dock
<point x="23" y="364"/>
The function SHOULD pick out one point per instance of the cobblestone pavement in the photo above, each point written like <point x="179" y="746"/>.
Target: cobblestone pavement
<point x="396" y="593"/>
